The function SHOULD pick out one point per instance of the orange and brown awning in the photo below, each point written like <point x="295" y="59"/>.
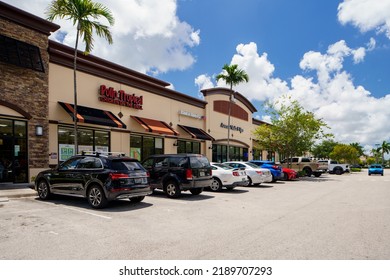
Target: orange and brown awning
<point x="93" y="116"/>
<point x="156" y="126"/>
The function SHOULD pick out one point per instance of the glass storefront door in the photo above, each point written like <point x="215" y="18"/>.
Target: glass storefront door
<point x="13" y="151"/>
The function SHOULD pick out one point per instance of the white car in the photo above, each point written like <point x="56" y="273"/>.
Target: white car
<point x="256" y="174"/>
<point x="227" y="176"/>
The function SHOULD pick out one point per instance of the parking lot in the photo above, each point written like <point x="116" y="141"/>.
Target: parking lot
<point x="328" y="218"/>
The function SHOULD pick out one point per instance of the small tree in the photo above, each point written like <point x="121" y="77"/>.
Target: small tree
<point x="345" y="153"/>
<point x="323" y="149"/>
<point x="293" y="131"/>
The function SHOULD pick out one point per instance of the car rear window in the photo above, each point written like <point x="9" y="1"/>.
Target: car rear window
<point x="223" y="166"/>
<point x="199" y="162"/>
<point x="126" y="165"/>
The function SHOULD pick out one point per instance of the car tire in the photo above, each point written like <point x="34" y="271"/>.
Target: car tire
<point x="250" y="181"/>
<point x="43" y="190"/>
<point x="136" y="199"/>
<point x="196" y="191"/>
<point x="216" y="185"/>
<point x="172" y="189"/>
<point x="308" y="171"/>
<point x="230" y="188"/>
<point x="96" y="197"/>
<point x="338" y="171"/>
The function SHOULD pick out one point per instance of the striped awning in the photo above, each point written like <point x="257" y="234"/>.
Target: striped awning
<point x="93" y="116"/>
<point x="156" y="126"/>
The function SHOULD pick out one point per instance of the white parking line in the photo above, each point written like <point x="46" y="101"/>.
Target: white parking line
<point x="77" y="210"/>
<point x="89" y="213"/>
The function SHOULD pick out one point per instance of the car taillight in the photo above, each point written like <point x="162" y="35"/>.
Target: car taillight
<point x="275" y="167"/>
<point x="236" y="173"/>
<point x="117" y="176"/>
<point x="189" y="174"/>
<point x="259" y="172"/>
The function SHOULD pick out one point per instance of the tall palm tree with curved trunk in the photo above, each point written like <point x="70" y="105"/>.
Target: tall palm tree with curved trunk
<point x="84" y="15"/>
<point x="385" y="148"/>
<point x="232" y="76"/>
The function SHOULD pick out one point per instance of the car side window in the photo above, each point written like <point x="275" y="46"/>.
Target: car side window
<point x="89" y="163"/>
<point x="160" y="162"/>
<point x="148" y="163"/>
<point x="70" y="164"/>
<point x="178" y="162"/>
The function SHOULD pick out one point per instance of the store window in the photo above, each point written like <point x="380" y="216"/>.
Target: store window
<point x="88" y="140"/>
<point x="235" y="153"/>
<point x="143" y="146"/>
<point x="188" y="147"/>
<point x="13" y="151"/>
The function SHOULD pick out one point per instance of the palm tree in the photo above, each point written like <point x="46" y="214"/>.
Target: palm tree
<point x="385" y="148"/>
<point x="232" y="76"/>
<point x="84" y="14"/>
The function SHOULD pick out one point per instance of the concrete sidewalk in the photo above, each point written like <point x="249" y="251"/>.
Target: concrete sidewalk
<point x="16" y="190"/>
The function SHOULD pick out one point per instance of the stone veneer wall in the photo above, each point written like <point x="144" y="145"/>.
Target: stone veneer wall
<point x="28" y="90"/>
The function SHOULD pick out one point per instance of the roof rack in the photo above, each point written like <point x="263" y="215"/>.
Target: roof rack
<point x="99" y="153"/>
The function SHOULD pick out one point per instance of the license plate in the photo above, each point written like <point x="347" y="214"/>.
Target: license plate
<point x="139" y="180"/>
<point x="202" y="174"/>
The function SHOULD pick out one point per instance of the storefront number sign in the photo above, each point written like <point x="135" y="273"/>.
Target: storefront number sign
<point x="120" y="97"/>
<point x="66" y="151"/>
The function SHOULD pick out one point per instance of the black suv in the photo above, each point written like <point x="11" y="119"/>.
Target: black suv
<point x="175" y="173"/>
<point x="99" y="177"/>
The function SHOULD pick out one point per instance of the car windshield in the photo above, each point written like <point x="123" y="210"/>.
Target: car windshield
<point x="376" y="166"/>
<point x="126" y="165"/>
<point x="223" y="166"/>
<point x="199" y="162"/>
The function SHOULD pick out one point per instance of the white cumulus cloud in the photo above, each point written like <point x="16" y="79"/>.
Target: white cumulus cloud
<point x="366" y="15"/>
<point x="148" y="35"/>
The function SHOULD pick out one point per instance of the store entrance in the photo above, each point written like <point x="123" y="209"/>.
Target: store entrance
<point x="13" y="151"/>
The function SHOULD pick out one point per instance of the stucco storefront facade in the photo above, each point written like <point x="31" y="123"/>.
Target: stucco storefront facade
<point x="119" y="110"/>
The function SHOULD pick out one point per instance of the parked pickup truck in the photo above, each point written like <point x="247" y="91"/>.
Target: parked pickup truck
<point x="303" y="164"/>
<point x="333" y="166"/>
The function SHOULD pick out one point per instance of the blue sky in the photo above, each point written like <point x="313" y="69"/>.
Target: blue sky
<point x="332" y="56"/>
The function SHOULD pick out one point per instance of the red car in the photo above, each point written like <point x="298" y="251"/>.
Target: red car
<point x="289" y="174"/>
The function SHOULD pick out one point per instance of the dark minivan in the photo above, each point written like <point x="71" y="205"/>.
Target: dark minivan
<point x="174" y="173"/>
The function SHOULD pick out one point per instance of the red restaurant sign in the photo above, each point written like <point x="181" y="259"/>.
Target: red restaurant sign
<point x="120" y="97"/>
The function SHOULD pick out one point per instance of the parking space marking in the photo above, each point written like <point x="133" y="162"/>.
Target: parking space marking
<point x="77" y="210"/>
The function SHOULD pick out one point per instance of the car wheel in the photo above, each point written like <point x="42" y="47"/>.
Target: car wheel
<point x="216" y="185"/>
<point x="172" y="189"/>
<point x="43" y="190"/>
<point x="196" y="191"/>
<point x="96" y="197"/>
<point x="273" y="179"/>
<point x="250" y="181"/>
<point x="137" y="199"/>
<point x="230" y="188"/>
<point x="308" y="171"/>
<point x="338" y="171"/>
<point x="285" y="175"/>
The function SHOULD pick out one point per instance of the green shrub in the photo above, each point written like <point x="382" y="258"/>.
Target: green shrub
<point x="354" y="169"/>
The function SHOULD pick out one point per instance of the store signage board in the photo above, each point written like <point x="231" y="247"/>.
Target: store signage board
<point x="233" y="127"/>
<point x="191" y="115"/>
<point x="120" y="97"/>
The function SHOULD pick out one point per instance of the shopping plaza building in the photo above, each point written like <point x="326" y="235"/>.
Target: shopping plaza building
<point x="118" y="109"/>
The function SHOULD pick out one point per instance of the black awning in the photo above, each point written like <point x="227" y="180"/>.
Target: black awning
<point x="197" y="133"/>
<point x="93" y="116"/>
